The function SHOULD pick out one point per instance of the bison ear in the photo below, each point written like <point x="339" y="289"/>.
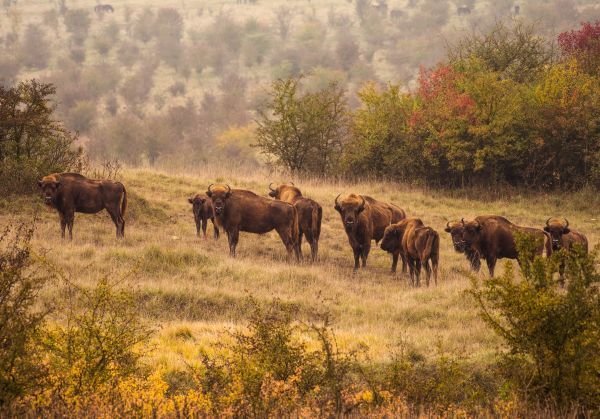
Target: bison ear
<point x="337" y="208"/>
<point x="447" y="229"/>
<point x="566" y="230"/>
<point x="228" y="194"/>
<point x="191" y="200"/>
<point x="547" y="229"/>
<point x="209" y="193"/>
<point x="58" y="184"/>
<point x="40" y="183"/>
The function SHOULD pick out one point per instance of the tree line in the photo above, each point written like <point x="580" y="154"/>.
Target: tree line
<point x="504" y="108"/>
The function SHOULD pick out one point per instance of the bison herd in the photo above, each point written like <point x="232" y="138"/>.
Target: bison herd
<point x="295" y="217"/>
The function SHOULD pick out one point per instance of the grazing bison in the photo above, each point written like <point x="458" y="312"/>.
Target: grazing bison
<point x="240" y="210"/>
<point x="564" y="238"/>
<point x="493" y="238"/>
<point x="366" y="219"/>
<point x="310" y="214"/>
<point x="69" y="193"/>
<point x="203" y="211"/>
<point x="456" y="233"/>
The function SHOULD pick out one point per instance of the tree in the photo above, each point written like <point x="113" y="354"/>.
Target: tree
<point x="303" y="132"/>
<point x="515" y="52"/>
<point x="78" y="23"/>
<point x="35" y="48"/>
<point x="32" y="142"/>
<point x="169" y="29"/>
<point x="583" y="45"/>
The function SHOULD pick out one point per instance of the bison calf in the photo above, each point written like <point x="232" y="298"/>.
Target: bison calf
<point x="203" y="211"/>
<point x="366" y="219"/>
<point x="69" y="193"/>
<point x="310" y="214"/>
<point x="419" y="245"/>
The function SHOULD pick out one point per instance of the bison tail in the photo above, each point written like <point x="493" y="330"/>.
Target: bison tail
<point x="432" y="246"/>
<point x="123" y="202"/>
<point x="317" y="216"/>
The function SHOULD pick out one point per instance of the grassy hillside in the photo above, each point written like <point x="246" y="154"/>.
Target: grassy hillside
<point x="193" y="292"/>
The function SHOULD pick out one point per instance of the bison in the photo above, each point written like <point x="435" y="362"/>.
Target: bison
<point x="69" y="193"/>
<point x="564" y="238"/>
<point x="417" y="244"/>
<point x="238" y="210"/>
<point x="493" y="238"/>
<point x="456" y="229"/>
<point x="203" y="211"/>
<point x="310" y="214"/>
<point x="366" y="219"/>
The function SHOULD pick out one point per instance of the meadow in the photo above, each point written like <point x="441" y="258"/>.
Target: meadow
<point x="194" y="294"/>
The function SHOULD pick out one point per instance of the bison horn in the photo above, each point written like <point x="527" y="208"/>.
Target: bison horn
<point x="336" y="201"/>
<point x="362" y="205"/>
<point x="228" y="189"/>
<point x="292" y="183"/>
<point x="448" y="224"/>
<point x="271" y="187"/>
<point x="567" y="221"/>
<point x="548" y="221"/>
<point x="462" y="220"/>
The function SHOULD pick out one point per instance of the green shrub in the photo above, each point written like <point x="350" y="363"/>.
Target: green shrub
<point x="98" y="338"/>
<point x="551" y="333"/>
<point x="21" y="318"/>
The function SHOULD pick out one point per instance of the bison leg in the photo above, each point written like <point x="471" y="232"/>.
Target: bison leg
<point x="418" y="272"/>
<point x="290" y="244"/>
<point x="357" y="252"/>
<point x="118" y="220"/>
<point x="300" y="234"/>
<point x="233" y="238"/>
<point x="215" y="229"/>
<point x="63" y="225"/>
<point x="411" y="269"/>
<point x="434" y="266"/>
<point x="491" y="263"/>
<point x="427" y="271"/>
<point x="394" y="261"/>
<point x="204" y="225"/>
<point x="365" y="254"/>
<point x="404" y="264"/>
<point x="198" y="225"/>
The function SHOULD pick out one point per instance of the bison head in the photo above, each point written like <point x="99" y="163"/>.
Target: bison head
<point x="471" y="232"/>
<point x="350" y="209"/>
<point x="392" y="238"/>
<point x="456" y="232"/>
<point x="219" y="196"/>
<point x="197" y="203"/>
<point x="50" y="187"/>
<point x="274" y="192"/>
<point x="556" y="229"/>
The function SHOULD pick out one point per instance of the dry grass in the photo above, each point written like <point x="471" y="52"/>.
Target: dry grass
<point x="193" y="291"/>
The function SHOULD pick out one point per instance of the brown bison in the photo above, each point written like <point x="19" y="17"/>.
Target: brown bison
<point x="240" y="210"/>
<point x="564" y="238"/>
<point x="456" y="229"/>
<point x="69" y="193"/>
<point x="418" y="244"/>
<point x="310" y="214"/>
<point x="366" y="219"/>
<point x="493" y="237"/>
<point x="203" y="211"/>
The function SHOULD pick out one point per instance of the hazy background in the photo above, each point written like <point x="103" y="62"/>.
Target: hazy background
<point x="178" y="82"/>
